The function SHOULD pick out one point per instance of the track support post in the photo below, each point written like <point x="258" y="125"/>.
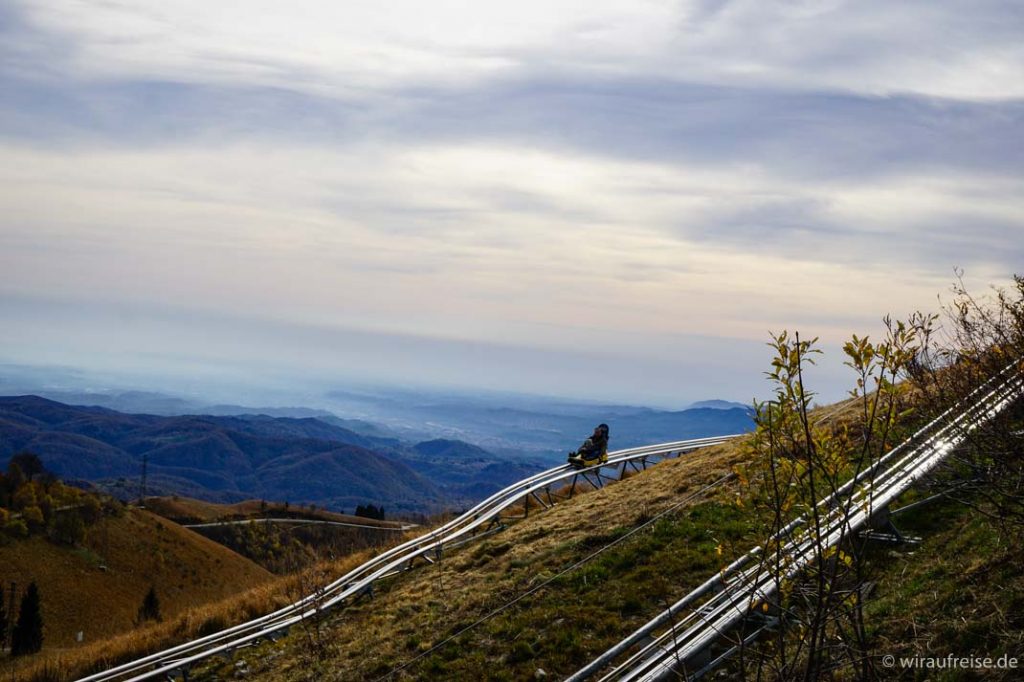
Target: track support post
<point x="884" y="530"/>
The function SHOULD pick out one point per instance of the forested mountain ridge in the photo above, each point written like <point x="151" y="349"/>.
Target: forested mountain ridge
<point x="222" y="458"/>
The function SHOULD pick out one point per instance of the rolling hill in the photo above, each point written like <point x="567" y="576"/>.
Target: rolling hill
<point x="226" y="459"/>
<point x="96" y="588"/>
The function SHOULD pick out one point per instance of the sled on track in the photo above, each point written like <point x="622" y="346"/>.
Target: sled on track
<point x="579" y="462"/>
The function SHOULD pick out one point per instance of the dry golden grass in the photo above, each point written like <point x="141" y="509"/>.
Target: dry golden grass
<point x="97" y="589"/>
<point x="186" y="624"/>
<point x="194" y="622"/>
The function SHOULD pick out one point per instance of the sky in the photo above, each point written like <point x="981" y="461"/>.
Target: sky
<point x="604" y="199"/>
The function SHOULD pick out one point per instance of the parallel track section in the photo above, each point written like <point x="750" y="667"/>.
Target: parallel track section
<point x="679" y="640"/>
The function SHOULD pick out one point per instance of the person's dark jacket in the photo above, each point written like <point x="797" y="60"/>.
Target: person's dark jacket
<point x="593" y="447"/>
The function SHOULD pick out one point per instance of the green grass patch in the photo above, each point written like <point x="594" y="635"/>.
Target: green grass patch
<point x="586" y="610"/>
<point x="960" y="592"/>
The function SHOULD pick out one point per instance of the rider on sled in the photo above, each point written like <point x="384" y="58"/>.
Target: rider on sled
<point x="594" y="449"/>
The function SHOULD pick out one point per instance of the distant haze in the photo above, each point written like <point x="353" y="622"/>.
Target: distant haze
<point x="604" y="200"/>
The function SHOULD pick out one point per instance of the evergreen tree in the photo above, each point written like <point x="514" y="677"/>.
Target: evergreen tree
<point x="370" y="511"/>
<point x="27" y="637"/>
<point x="150" y="609"/>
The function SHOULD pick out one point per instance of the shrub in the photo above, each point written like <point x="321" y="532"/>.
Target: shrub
<point x="16" y="528"/>
<point x="33" y="517"/>
<point x="150" y="609"/>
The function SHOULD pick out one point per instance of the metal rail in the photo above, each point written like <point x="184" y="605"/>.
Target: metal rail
<point x="744" y="585"/>
<point x="539" y="490"/>
<point x="300" y="522"/>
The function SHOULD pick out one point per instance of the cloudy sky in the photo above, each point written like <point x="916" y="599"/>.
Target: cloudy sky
<point x="614" y="199"/>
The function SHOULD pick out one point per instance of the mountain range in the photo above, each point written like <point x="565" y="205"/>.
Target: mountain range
<point x="410" y="452"/>
<point x="304" y="460"/>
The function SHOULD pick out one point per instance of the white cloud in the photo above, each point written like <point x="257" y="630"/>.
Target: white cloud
<point x="533" y="173"/>
<point x="337" y="47"/>
<point x="427" y="240"/>
<point x="933" y="48"/>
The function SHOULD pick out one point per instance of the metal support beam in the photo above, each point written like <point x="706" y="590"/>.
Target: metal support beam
<point x="884" y="530"/>
<point x="894" y="537"/>
<point x="541" y="502"/>
<point x="927" y="500"/>
<point x="731" y="651"/>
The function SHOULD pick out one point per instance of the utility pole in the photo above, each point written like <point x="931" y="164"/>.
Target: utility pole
<point x="142" y="488"/>
<point x="106" y="539"/>
<point x="10" y="614"/>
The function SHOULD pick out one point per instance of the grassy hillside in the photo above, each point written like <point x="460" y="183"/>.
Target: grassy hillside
<point x="206" y="611"/>
<point x="97" y="588"/>
<point x="560" y="626"/>
<point x="960" y="591"/>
